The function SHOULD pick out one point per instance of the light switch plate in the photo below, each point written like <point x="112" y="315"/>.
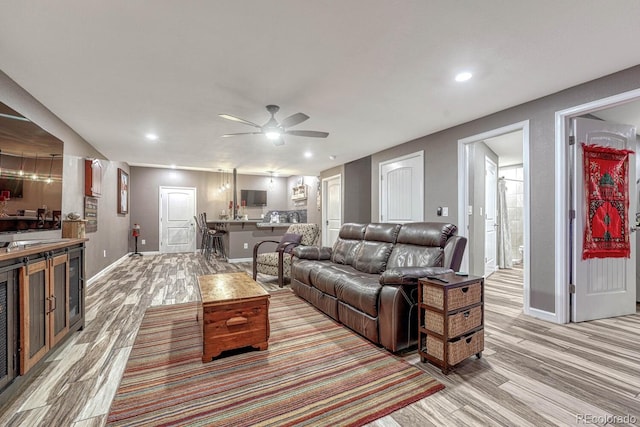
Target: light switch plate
<point x="445" y="211"/>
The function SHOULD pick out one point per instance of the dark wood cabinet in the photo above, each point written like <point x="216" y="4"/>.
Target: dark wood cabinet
<point x="42" y="300"/>
<point x="44" y="307"/>
<point x="450" y="319"/>
<point x="8" y="325"/>
<point x="76" y="288"/>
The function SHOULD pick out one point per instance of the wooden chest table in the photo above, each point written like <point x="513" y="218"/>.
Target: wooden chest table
<point x="234" y="313"/>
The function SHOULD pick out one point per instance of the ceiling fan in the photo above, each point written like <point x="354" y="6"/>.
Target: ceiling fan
<point x="274" y="130"/>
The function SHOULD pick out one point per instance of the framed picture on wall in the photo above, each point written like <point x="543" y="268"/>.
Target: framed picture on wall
<point x="91" y="214"/>
<point x="123" y="192"/>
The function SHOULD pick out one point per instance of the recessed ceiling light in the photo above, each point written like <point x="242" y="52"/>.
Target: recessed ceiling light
<point x="464" y="76"/>
<point x="308" y="154"/>
<point x="151" y="137"/>
<point x="173" y="166"/>
<point x="332" y="157"/>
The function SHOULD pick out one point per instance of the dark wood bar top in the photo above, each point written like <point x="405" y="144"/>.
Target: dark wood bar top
<point x="21" y="248"/>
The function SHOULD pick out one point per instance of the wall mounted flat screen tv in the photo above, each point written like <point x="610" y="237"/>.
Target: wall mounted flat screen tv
<point x="253" y="197"/>
<point x="13" y="186"/>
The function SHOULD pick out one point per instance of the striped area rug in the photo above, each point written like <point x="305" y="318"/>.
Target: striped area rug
<point x="315" y="372"/>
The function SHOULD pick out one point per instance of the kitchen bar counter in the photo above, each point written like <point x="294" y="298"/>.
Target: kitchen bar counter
<point x="258" y="222"/>
<point x="241" y="236"/>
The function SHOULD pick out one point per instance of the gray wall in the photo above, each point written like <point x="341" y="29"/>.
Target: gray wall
<point x="441" y="171"/>
<point x="357" y="191"/>
<point x="113" y="229"/>
<point x="145" y="193"/>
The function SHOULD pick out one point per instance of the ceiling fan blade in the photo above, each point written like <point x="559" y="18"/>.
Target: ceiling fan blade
<point x="311" y="133"/>
<point x="278" y="142"/>
<point x="241" y="133"/>
<point x="10" y="116"/>
<point x="293" y="120"/>
<point x="238" y="119"/>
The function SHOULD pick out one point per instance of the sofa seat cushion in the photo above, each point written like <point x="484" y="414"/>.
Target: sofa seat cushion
<point x="325" y="279"/>
<point x="302" y="269"/>
<point x="360" y="291"/>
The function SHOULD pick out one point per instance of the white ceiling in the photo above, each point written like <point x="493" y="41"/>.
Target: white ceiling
<point x="373" y="74"/>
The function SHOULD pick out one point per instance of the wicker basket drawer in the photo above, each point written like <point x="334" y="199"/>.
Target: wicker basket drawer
<point x="459" y="323"/>
<point x="457" y="350"/>
<point x="457" y="297"/>
<point x="464" y="347"/>
<point x="435" y="347"/>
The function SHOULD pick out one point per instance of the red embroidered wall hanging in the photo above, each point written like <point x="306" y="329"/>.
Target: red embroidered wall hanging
<point x="606" y="184"/>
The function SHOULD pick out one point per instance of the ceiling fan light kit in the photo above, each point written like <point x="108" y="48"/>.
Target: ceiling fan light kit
<point x="274" y="130"/>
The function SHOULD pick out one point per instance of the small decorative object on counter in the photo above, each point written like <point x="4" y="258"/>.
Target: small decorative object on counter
<point x="73" y="216"/>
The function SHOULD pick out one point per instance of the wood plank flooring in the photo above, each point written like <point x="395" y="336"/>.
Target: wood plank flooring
<point x="532" y="373"/>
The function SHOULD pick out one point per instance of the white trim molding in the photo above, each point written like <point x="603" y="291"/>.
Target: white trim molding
<point x="562" y="237"/>
<point x="107" y="269"/>
<point x="463" y="201"/>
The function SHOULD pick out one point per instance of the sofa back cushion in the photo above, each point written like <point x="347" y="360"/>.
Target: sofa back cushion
<point x="374" y="251"/>
<point x="421" y="244"/>
<point x="348" y="242"/>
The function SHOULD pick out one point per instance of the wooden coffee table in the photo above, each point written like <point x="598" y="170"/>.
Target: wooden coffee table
<point x="234" y="313"/>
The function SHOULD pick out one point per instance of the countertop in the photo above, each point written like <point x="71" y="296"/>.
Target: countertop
<point x="258" y="222"/>
<point x="37" y="246"/>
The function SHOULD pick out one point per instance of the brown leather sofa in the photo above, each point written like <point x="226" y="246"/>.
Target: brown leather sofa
<point x="368" y="280"/>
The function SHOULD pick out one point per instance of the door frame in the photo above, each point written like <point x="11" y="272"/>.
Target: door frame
<point x="325" y="205"/>
<point x="488" y="160"/>
<point x="463" y="201"/>
<point x="563" y="126"/>
<point x="195" y="210"/>
<point x="420" y="155"/>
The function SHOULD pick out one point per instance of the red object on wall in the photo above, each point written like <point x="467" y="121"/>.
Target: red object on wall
<point x="606" y="186"/>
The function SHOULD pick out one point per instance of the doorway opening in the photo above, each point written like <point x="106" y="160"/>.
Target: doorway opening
<point x="331" y="209"/>
<point x="621" y="108"/>
<point x="508" y="148"/>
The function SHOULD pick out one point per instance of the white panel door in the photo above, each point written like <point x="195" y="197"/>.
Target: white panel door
<point x="490" y="224"/>
<point x="605" y="287"/>
<point x="402" y="189"/>
<point x="332" y="209"/>
<point x="177" y="226"/>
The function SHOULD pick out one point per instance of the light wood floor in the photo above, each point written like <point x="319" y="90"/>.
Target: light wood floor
<point x="532" y="373"/>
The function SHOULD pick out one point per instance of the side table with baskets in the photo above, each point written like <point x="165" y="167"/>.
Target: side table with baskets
<point x="451" y="319"/>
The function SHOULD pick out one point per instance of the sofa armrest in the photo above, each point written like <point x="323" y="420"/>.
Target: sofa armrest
<point x="317" y="253"/>
<point x="409" y="275"/>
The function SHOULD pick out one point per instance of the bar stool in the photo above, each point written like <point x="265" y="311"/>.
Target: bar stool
<point x="215" y="238"/>
<point x="205" y="246"/>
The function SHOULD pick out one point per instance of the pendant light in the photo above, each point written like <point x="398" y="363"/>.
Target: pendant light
<point x="21" y="173"/>
<point x="35" y="166"/>
<point x="271" y="180"/>
<point x="50" y="168"/>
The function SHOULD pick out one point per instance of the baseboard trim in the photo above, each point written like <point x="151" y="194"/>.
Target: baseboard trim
<point x="542" y="315"/>
<point x="107" y="269"/>
<point x="237" y="260"/>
